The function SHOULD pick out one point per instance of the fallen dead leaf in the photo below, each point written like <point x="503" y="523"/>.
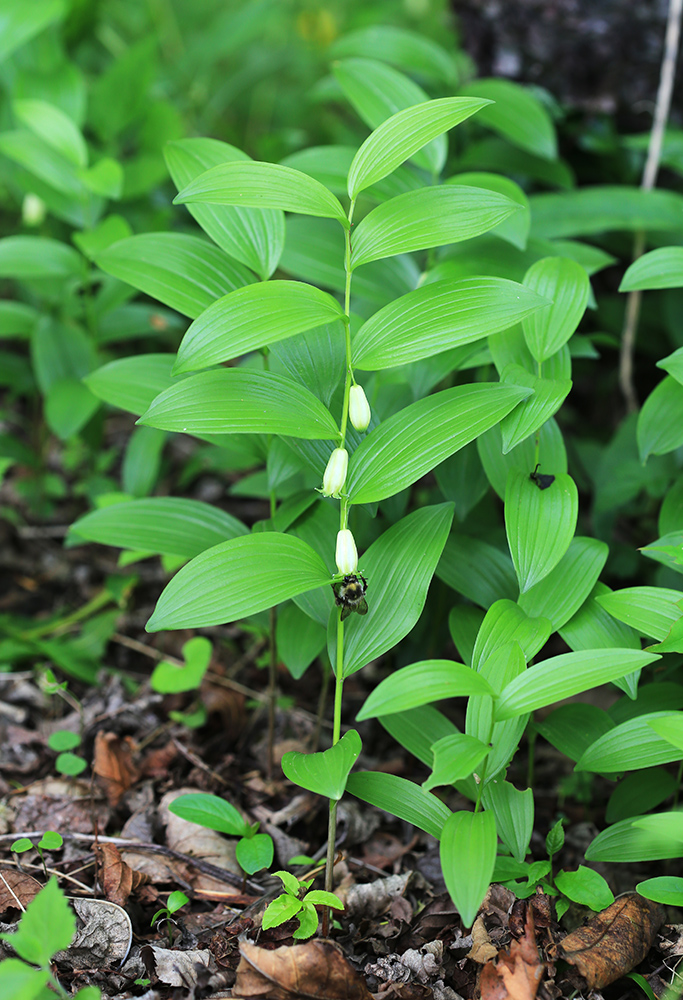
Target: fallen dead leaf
<point x="369" y="899"/>
<point x="518" y="972"/>
<point x="177" y="968"/>
<point x="113" y="765"/>
<point x="482" y="950"/>
<point x="103" y="938"/>
<point x="116" y="877"/>
<point x="316" y="969"/>
<point x="615" y="940"/>
<point x="16" y="889"/>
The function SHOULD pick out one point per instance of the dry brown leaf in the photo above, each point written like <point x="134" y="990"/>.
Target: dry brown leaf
<point x="482" y="950"/>
<point x="615" y="940"/>
<point x="16" y="889"/>
<point x="316" y="969"/>
<point x="116" y="877"/>
<point x="518" y="972"/>
<point x="113" y="765"/>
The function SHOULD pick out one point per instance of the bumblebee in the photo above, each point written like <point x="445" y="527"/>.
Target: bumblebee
<point x="349" y="595"/>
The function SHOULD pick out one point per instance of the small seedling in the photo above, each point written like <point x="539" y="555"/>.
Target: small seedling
<point x="63" y="742"/>
<point x="290" y="904"/>
<point x="254" y="851"/>
<point x="173" y="904"/>
<point x="50" y="841"/>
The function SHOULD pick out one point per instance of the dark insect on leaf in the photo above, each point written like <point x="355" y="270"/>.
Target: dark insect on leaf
<point x="542" y="480"/>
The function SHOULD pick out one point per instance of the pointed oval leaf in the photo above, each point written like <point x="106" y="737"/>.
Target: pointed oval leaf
<point x="411" y="442"/>
<point x="399" y="567"/>
<point x="514" y="812"/>
<point x="566" y="284"/>
<point x="421" y="683"/>
<point x="210" y="811"/>
<point x="602" y="208"/>
<point x="670" y="728"/>
<point x="258" y="184"/>
<point x="529" y="415"/>
<point x="666" y="889"/>
<point x="514" y="230"/>
<point x="324" y="773"/>
<point x="661" y="268"/>
<point x="640" y="792"/>
<point x="455" y="758"/>
<point x="168" y="525"/>
<point x="254" y="236"/>
<point x="517" y="115"/>
<point x="540" y="524"/>
<point x="574" y="727"/>
<point x="562" y="592"/>
<point x="592" y="627"/>
<point x="132" y="383"/>
<point x="650" y="611"/>
<point x="468" y="857"/>
<point x="237" y="578"/>
<point x="253" y="854"/>
<point x="566" y="675"/>
<point x="477" y="570"/>
<point x="430" y="217"/>
<point x="252" y="317"/>
<point x="417" y="729"/>
<point x="660" y="421"/>
<point x="439" y="316"/>
<point x="408" y="50"/>
<point x="181" y="271"/>
<point x="586" y="887"/>
<point x="505" y="623"/>
<point x="38" y="257"/>
<point x="401" y="798"/>
<point x="673" y="365"/>
<point x="630" y="746"/>
<point x="54" y="127"/>
<point x="648" y="838"/>
<point x="241" y="401"/>
<point x="397" y="138"/>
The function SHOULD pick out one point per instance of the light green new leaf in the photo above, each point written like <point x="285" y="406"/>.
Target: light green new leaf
<point x="19" y="23"/>
<point x="604" y="208"/>
<point x="398" y="567"/>
<point x="401" y="798"/>
<point x="566" y="675"/>
<point x="592" y="627"/>
<point x="566" y="284"/>
<point x="252" y="317"/>
<point x="455" y="758"/>
<point x="648" y="838"/>
<point x="666" y="889"/>
<point x="504" y="664"/>
<point x="430" y="217"/>
<point x="514" y="812"/>
<point x="54" y="127"/>
<point x="46" y="926"/>
<point x="661" y="268"/>
<point x="673" y="363"/>
<point x="439" y="316"/>
<point x="184" y="272"/>
<point x="172" y="678"/>
<point x="38" y="257"/>
<point x="517" y="115"/>
<point x="257" y="184"/>
<point x="407" y="50"/>
<point x="539" y="524"/>
<point x="132" y="383"/>
<point x="649" y="610"/>
<point x="417" y="729"/>
<point x="69" y="405"/>
<point x="660" y="421"/>
<point x="586" y="887"/>
<point x="514" y="230"/>
<point x="562" y="592"/>
<point x="531" y="413"/>
<point x="24" y="982"/>
<point x="420" y="684"/>
<point x="411" y="442"/>
<point x="254" y="236"/>
<point x="631" y="746"/>
<point x="670" y="727"/>
<point x="505" y="623"/>
<point x="169" y="525"/>
<point x="210" y="811"/>
<point x="241" y="401"/>
<point x="238" y="578"/>
<point x="324" y="773"/>
<point x="397" y="138"/>
<point x="468" y="857"/>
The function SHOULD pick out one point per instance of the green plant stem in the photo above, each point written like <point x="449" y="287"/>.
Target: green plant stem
<point x="54" y="628"/>
<point x="272" y="671"/>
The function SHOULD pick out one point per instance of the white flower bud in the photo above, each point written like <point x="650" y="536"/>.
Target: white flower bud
<point x="335" y="473"/>
<point x="359" y="408"/>
<point x="346" y="555"/>
<point x="33" y="210"/>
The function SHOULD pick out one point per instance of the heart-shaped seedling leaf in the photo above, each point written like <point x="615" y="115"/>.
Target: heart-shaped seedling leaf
<point x="326" y="772"/>
<point x="254" y="853"/>
<point x="169" y="678"/>
<point x="210" y="811"/>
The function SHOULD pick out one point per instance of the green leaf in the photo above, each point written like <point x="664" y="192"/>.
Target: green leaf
<point x="70" y="763"/>
<point x="516" y="114"/>
<point x="169" y="525"/>
<point x="468" y="857"/>
<point x="660" y="421"/>
<point x="92" y="242"/>
<point x="51" y="841"/>
<point x="175" y="900"/>
<point x="640" y="792"/>
<point x="566" y="675"/>
<point x="440" y="316"/>
<point x="632" y="746"/>
<point x="280" y="910"/>
<point x="316" y="358"/>
<point x="514" y="813"/>
<point x="300" y="639"/>
<point x="238" y="578"/>
<point x="566" y="284"/>
<point x="503" y="665"/>
<point x="571" y="729"/>
<point x="401" y="798"/>
<point x="241" y="401"/>
<point x="529" y="415"/>
<point x="54" y="127"/>
<point x="514" y="230"/>
<point x="184" y="272"/>
<point x="104" y="179"/>
<point x="506" y="623"/>
<point x="477" y="570"/>
<point x="132" y="383"/>
<point x="18" y="23"/>
<point x="417" y="729"/>
<point x="171" y="678"/>
<point x="661" y="268"/>
<point x="290" y="882"/>
<point x="649" y="610"/>
<point x="407" y="50"/>
<point x="142" y="461"/>
<point x="522" y="457"/>
<point x="27" y="257"/>
<point x="21" y="982"/>
<point x="562" y="592"/>
<point x="670" y="728"/>
<point x="63" y="740"/>
<point x="455" y="758"/>
<point x="254" y="236"/>
<point x="47" y="926"/>
<point x="666" y="889"/>
<point x="210" y="811"/>
<point x="407" y="131"/>
<point x="69" y="405"/>
<point x="255" y="853"/>
<point x="252" y="317"/>
<point x="324" y="773"/>
<point x="398" y="567"/>
<point x="318" y="897"/>
<point x="411" y="442"/>
<point x="429" y="217"/>
<point x="539" y="524"/>
<point x="604" y="208"/>
<point x="256" y="184"/>
<point x="648" y="838"/>
<point x="592" y="627"/>
<point x="308" y="922"/>
<point x="586" y="887"/>
<point x="420" y="684"/>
